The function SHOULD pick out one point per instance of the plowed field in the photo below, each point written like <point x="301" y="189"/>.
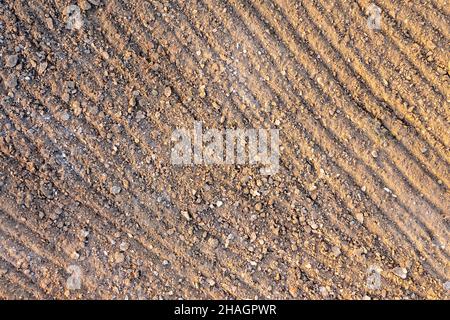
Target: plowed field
<point x="92" y="207"/>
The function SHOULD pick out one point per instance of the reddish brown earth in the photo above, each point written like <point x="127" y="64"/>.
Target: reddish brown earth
<point x="88" y="192"/>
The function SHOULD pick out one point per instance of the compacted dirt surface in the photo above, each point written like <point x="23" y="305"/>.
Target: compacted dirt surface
<point x="92" y="207"/>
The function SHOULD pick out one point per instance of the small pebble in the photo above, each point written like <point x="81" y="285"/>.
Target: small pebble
<point x="360" y="217"/>
<point x="119" y="257"/>
<point x="167" y="91"/>
<point x="49" y="23"/>
<point x="202" y="91"/>
<point x="213" y="242"/>
<point x="313" y="225"/>
<point x="75" y="255"/>
<point x="447" y="285"/>
<point x="65" y="116"/>
<point x="140" y="115"/>
<point x="323" y="291"/>
<point x="11" y="82"/>
<point x="42" y="67"/>
<point x="11" y="61"/>
<point x="76" y="108"/>
<point x="400" y="272"/>
<point x="116" y="190"/>
<point x="85" y="5"/>
<point x="124" y="246"/>
<point x="336" y="251"/>
<point x="186" y="215"/>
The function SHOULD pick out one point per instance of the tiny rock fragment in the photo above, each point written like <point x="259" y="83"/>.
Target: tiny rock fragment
<point x="323" y="292"/>
<point x="447" y="285"/>
<point x="75" y="279"/>
<point x="132" y="102"/>
<point x="360" y="217"/>
<point x="65" y="116"/>
<point x="85" y="5"/>
<point x="49" y="22"/>
<point x="202" y="91"/>
<point x="400" y="272"/>
<point x="336" y="251"/>
<point x="11" y="61"/>
<point x="75" y="255"/>
<point x="11" y="82"/>
<point x="313" y="225"/>
<point x="124" y="246"/>
<point x="119" y="257"/>
<point x="213" y="242"/>
<point x="116" y="190"/>
<point x="140" y="115"/>
<point x="76" y="108"/>
<point x="167" y="92"/>
<point x="42" y="67"/>
<point x="186" y="215"/>
<point x="84" y="233"/>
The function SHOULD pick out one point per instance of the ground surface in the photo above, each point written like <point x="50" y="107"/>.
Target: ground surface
<point x="88" y="194"/>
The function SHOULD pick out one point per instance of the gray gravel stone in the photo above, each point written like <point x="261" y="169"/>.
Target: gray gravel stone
<point x="11" y="61"/>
